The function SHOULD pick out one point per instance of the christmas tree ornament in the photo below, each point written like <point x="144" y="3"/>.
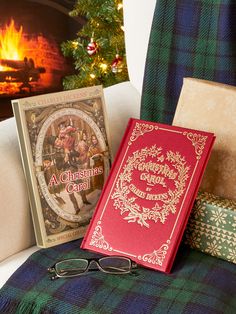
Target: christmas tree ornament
<point x="92" y="47"/>
<point x="117" y="64"/>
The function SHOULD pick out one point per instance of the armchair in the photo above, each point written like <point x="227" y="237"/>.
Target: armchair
<point x="17" y="240"/>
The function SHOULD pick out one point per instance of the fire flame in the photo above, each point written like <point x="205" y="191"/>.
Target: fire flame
<point x="10" y="39"/>
<point x="17" y="48"/>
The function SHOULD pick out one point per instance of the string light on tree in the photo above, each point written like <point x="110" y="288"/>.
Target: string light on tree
<point x="104" y="67"/>
<point x="119" y="6"/>
<point x="75" y="44"/>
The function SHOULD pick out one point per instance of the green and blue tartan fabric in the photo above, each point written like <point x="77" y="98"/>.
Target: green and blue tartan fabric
<point x="189" y="38"/>
<point x="198" y="284"/>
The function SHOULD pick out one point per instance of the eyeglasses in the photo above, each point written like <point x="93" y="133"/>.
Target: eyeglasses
<point x="72" y="267"/>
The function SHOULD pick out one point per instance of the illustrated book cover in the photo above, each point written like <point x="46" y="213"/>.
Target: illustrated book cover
<point x="65" y="152"/>
<point x="148" y="196"/>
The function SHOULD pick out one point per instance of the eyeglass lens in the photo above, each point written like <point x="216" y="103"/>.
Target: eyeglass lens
<point x="71" y="267"/>
<point x="115" y="264"/>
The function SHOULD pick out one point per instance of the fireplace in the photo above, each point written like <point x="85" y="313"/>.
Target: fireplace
<point x="31" y="61"/>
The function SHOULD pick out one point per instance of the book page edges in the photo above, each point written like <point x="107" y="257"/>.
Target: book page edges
<point x="25" y="163"/>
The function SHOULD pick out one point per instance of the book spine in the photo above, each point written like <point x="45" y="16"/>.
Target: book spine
<point x="84" y="244"/>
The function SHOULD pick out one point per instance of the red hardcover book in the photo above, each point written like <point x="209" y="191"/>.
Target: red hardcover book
<point x="148" y="196"/>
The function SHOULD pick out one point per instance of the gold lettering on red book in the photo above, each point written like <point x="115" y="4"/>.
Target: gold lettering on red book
<point x="152" y="179"/>
<point x="136" y="191"/>
<point x="151" y="185"/>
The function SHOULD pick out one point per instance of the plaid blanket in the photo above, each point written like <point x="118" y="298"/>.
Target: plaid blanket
<point x="197" y="284"/>
<point x="189" y="38"/>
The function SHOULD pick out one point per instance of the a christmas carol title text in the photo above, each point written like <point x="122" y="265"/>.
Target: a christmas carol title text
<point x="75" y="181"/>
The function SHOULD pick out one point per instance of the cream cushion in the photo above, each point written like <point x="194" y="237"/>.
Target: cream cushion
<point x="16" y="231"/>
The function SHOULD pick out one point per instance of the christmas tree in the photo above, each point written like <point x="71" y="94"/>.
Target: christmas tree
<point x="99" y="49"/>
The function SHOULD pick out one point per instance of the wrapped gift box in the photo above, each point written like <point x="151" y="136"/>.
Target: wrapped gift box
<point x="212" y="226"/>
<point x="211" y="107"/>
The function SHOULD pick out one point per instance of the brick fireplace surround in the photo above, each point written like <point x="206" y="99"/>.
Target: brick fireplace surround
<point x="37" y="66"/>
